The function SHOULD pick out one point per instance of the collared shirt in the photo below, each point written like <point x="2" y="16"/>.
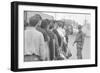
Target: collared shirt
<point x="34" y="42"/>
<point x="80" y="39"/>
<point x="51" y="44"/>
<point x="46" y="37"/>
<point x="62" y="33"/>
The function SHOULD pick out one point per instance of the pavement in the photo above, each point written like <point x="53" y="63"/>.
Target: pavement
<point x="86" y="48"/>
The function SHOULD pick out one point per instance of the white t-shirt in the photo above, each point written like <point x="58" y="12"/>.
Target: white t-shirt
<point x="62" y="33"/>
<point x="34" y="42"/>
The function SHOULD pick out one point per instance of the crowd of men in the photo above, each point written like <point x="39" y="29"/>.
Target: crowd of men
<point x="47" y="40"/>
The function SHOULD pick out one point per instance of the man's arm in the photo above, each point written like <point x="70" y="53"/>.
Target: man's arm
<point x="76" y="38"/>
<point x="83" y="37"/>
<point x="42" y="47"/>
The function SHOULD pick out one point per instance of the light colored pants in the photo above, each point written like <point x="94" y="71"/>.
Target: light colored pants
<point x="29" y="58"/>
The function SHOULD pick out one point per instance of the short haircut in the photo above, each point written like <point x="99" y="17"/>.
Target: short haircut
<point x="34" y="20"/>
<point x="45" y="23"/>
<point x="60" y="23"/>
<point x="79" y="26"/>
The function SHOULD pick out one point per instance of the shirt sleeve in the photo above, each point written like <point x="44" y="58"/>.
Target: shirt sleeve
<point x="77" y="37"/>
<point x="42" y="47"/>
<point x="83" y="37"/>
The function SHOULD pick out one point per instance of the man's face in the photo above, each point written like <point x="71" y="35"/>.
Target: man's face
<point x="80" y="29"/>
<point x="55" y="25"/>
<point x="39" y="23"/>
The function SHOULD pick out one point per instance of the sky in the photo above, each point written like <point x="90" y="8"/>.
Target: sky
<point x="77" y="17"/>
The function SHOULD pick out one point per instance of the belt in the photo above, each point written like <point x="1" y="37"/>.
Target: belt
<point x="35" y="56"/>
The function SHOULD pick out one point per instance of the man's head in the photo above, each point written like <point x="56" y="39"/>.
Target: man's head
<point x="60" y="24"/>
<point x="55" y="25"/>
<point x="79" y="27"/>
<point x="45" y="23"/>
<point x="35" y="20"/>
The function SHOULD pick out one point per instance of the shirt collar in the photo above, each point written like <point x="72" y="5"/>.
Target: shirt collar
<point x="33" y="28"/>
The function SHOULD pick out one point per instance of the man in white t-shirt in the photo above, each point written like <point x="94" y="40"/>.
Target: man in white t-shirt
<point x="34" y="41"/>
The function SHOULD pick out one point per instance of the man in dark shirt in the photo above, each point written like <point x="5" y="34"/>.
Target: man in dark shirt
<point x="45" y="25"/>
<point x="79" y="42"/>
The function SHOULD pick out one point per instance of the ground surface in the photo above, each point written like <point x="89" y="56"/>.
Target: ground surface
<point x="86" y="48"/>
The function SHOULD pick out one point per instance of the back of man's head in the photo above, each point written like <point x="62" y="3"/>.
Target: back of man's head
<point x="34" y="20"/>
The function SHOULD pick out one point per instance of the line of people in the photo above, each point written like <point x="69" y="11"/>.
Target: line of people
<point x="45" y="40"/>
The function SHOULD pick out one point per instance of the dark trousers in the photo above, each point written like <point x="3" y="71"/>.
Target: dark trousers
<point x="79" y="53"/>
<point x="51" y="50"/>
